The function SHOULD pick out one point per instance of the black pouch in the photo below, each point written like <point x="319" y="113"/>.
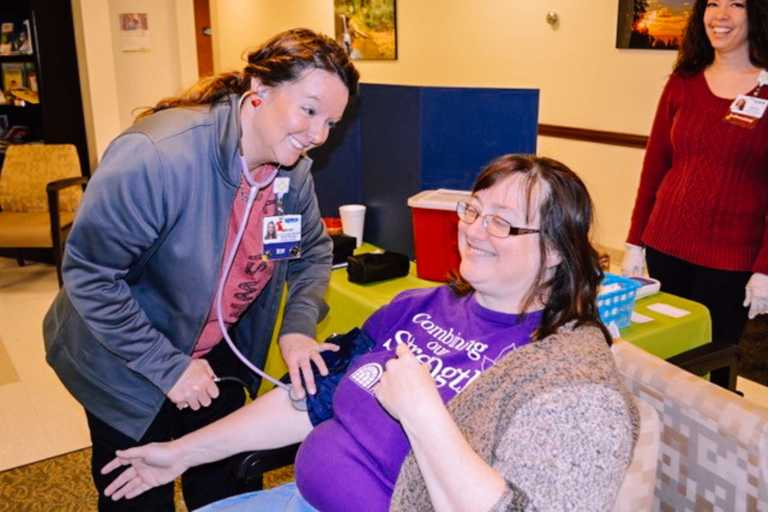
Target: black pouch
<point x="371" y="267"/>
<point x="343" y="248"/>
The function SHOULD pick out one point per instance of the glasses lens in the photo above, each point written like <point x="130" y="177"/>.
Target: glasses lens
<point x="498" y="227"/>
<point x="467" y="212"/>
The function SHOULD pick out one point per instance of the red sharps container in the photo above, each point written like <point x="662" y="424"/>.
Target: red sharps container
<point x="435" y="232"/>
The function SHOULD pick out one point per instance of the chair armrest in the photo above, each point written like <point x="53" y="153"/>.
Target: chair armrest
<point x="706" y="358"/>
<point x="254" y="464"/>
<point x="711" y="357"/>
<point x="52" y="189"/>
<point x="58" y="185"/>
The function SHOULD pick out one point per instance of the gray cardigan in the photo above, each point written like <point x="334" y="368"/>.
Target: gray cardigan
<point x="553" y="418"/>
<point x="144" y="256"/>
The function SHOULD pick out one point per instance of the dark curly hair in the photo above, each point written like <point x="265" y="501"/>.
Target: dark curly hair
<point x="696" y="52"/>
<point x="281" y="59"/>
<point x="566" y="217"/>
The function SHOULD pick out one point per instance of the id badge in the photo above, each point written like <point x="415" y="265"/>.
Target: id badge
<point x="281" y="235"/>
<point x="746" y="111"/>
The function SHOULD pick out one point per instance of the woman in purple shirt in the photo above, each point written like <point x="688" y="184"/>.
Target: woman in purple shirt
<point x="497" y="392"/>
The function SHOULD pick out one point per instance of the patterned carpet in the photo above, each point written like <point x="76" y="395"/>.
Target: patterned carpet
<point x="64" y="484"/>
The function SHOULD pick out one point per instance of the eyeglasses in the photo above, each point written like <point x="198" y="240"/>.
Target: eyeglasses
<point x="493" y="224"/>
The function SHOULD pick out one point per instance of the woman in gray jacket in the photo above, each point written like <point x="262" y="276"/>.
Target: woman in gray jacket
<point x="135" y="333"/>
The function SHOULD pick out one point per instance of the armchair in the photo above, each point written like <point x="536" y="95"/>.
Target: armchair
<point x="714" y="444"/>
<point x="40" y="189"/>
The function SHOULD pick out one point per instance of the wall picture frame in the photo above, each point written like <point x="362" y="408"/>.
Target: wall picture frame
<point x="652" y="24"/>
<point x="367" y="29"/>
<point x="134" y="32"/>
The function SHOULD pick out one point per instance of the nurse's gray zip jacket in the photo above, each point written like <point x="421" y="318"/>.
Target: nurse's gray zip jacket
<point x="142" y="264"/>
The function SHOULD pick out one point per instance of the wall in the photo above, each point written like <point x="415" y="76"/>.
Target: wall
<point x="97" y="74"/>
<point x="584" y="81"/>
<point x="117" y="82"/>
<point x="239" y="25"/>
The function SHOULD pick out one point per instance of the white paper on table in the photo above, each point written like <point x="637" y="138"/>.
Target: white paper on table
<point x="666" y="309"/>
<point x="637" y="318"/>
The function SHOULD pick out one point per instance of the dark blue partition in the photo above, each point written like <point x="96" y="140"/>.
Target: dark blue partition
<point x="464" y="129"/>
<point x="391" y="158"/>
<point x="398" y="140"/>
<point x="337" y="165"/>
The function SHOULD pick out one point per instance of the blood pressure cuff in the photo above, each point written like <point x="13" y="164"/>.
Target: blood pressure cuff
<point x="371" y="267"/>
<point x="351" y="345"/>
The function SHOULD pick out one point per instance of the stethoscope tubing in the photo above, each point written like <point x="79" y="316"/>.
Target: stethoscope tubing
<point x="229" y="260"/>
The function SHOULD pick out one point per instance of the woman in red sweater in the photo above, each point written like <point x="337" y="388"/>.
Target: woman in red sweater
<point x="700" y="212"/>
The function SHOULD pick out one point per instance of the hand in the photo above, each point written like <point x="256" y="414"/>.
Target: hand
<point x="298" y="350"/>
<point x="151" y="465"/>
<point x="406" y="389"/>
<point x="756" y="295"/>
<point x="195" y="388"/>
<point x="634" y="261"/>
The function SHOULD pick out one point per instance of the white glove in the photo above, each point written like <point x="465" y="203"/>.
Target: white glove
<point x="634" y="260"/>
<point x="756" y="295"/>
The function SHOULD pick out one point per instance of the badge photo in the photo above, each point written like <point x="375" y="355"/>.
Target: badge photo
<point x="746" y="111"/>
<point x="281" y="235"/>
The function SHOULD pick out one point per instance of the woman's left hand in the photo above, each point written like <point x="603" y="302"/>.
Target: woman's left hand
<point x="299" y="352"/>
<point x="406" y="389"/>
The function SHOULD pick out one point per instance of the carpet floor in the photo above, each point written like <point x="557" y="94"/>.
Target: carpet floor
<point x="64" y="484"/>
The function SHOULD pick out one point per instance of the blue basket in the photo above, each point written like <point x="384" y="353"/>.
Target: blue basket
<point x="616" y="306"/>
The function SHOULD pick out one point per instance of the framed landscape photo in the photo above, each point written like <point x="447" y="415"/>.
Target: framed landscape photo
<point x="652" y="24"/>
<point x="366" y="28"/>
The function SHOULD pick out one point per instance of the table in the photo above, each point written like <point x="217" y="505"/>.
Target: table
<point x="351" y="304"/>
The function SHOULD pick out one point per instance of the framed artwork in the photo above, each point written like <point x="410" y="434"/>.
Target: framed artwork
<point x="134" y="32"/>
<point x="652" y="24"/>
<point x="366" y="28"/>
<point x="15" y="38"/>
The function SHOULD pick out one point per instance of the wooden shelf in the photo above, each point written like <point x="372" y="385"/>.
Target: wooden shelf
<point x="58" y="118"/>
<point x="29" y="106"/>
<point x="27" y="57"/>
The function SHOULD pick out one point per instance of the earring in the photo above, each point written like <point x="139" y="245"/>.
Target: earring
<point x="255" y="102"/>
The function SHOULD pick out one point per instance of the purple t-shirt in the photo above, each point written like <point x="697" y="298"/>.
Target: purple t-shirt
<point x="351" y="461"/>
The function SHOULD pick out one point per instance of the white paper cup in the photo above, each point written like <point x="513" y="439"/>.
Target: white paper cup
<point x="352" y="221"/>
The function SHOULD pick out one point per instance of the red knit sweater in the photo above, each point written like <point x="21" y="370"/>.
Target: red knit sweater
<point x="703" y="194"/>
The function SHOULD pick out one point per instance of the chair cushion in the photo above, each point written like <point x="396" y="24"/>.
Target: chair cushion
<point x="28" y="229"/>
<point x="28" y="168"/>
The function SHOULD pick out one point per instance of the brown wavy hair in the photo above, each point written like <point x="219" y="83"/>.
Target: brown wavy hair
<point x="696" y="52"/>
<point x="283" y="58"/>
<point x="565" y="213"/>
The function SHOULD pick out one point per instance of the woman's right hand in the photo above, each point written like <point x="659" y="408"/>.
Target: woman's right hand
<point x="196" y="387"/>
<point x="150" y="466"/>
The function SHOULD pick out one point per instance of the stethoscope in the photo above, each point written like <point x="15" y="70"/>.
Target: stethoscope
<point x="255" y="187"/>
